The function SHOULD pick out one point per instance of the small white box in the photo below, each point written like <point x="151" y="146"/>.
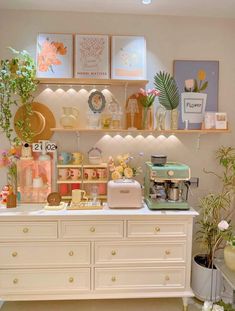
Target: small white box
<point x="221" y="120"/>
<point x="124" y="193"/>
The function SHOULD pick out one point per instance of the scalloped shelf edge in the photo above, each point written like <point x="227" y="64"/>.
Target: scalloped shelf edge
<point x="204" y="131"/>
<point x="76" y="81"/>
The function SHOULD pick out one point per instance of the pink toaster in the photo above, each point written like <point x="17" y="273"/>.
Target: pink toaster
<point x="124" y="193"/>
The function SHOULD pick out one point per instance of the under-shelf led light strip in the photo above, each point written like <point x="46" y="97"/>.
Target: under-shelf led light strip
<point x="146" y="1"/>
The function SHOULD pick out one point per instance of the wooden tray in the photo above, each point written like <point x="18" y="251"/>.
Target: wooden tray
<point x="85" y="206"/>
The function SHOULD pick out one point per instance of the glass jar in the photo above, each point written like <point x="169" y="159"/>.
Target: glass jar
<point x="93" y="119"/>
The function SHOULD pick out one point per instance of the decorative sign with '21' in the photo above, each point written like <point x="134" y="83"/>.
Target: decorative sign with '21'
<point x="49" y="147"/>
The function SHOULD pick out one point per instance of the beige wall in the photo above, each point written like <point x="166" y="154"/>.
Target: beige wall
<point x="168" y="38"/>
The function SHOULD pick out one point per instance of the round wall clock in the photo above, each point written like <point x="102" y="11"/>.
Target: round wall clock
<point x="96" y="101"/>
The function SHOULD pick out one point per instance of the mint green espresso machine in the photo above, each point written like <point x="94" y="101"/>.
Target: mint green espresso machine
<point x="166" y="186"/>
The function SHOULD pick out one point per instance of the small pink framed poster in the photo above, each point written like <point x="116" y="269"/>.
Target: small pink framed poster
<point x="128" y="60"/>
<point x="54" y="55"/>
<point x="92" y="56"/>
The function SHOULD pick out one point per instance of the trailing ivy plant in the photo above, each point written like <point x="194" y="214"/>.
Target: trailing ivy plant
<point x="17" y="85"/>
<point x="23" y="71"/>
<point x="7" y="100"/>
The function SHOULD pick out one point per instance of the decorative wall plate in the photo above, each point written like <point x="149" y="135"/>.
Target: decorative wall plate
<point x="96" y="101"/>
<point x="54" y="199"/>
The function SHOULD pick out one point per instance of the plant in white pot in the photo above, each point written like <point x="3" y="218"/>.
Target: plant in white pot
<point x="215" y="216"/>
<point x="193" y="100"/>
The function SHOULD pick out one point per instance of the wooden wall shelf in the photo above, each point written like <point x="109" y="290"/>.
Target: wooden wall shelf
<point x="76" y="81"/>
<point x="204" y="131"/>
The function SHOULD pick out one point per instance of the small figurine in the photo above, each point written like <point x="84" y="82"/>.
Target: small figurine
<point x="6" y="190"/>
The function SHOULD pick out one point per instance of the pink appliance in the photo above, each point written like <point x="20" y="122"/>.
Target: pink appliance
<point x="124" y="193"/>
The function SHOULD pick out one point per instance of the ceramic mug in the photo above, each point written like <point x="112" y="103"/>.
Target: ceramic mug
<point x="63" y="189"/>
<point x="64" y="173"/>
<point x="88" y="173"/>
<point x="65" y="157"/>
<point x="77" y="158"/>
<point x="75" y="186"/>
<point x="78" y="195"/>
<point x="101" y="173"/>
<point x="75" y="173"/>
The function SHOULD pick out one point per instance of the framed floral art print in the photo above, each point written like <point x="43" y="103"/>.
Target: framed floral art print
<point x="54" y="55"/>
<point x="128" y="59"/>
<point x="92" y="56"/>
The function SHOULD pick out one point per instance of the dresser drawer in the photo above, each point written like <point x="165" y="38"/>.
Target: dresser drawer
<point x="42" y="254"/>
<point x="150" y="229"/>
<point x="139" y="252"/>
<point x="44" y="281"/>
<point x="139" y="278"/>
<point x="91" y="229"/>
<point x="28" y="230"/>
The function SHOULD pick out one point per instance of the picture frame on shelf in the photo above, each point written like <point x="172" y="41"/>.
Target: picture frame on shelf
<point x="128" y="57"/>
<point x="54" y="58"/>
<point x="209" y="120"/>
<point x="221" y="120"/>
<point x="198" y="82"/>
<point x="92" y="56"/>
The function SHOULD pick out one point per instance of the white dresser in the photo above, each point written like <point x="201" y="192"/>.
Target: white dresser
<point x="94" y="254"/>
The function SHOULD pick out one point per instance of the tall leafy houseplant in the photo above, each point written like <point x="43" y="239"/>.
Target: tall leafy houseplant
<point x="169" y="94"/>
<point x="215" y="216"/>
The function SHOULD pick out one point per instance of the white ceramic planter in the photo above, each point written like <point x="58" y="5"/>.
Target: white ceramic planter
<point x="193" y="106"/>
<point x="206" y="283"/>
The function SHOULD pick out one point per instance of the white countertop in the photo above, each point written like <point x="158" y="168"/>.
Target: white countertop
<point x="33" y="210"/>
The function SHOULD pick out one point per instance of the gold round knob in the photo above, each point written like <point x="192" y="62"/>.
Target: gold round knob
<point x="15" y="281"/>
<point x="113" y="252"/>
<point x="71" y="253"/>
<point x="25" y="230"/>
<point x="14" y="254"/>
<point x="167" y="278"/>
<point x="71" y="280"/>
<point x="157" y="229"/>
<point x="92" y="229"/>
<point x="167" y="252"/>
<point x="113" y="279"/>
<point x="170" y="173"/>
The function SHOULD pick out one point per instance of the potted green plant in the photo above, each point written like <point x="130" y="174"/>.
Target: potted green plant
<point x="168" y="98"/>
<point x="17" y="85"/>
<point x="215" y="217"/>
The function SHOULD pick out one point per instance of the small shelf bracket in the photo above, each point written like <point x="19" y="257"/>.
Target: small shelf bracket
<point x="77" y="133"/>
<point x="125" y="92"/>
<point x="198" y="142"/>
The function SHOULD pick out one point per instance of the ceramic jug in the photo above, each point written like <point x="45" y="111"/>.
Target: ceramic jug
<point x="69" y="118"/>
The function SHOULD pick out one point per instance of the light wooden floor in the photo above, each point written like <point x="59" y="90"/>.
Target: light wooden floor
<point x="103" y="305"/>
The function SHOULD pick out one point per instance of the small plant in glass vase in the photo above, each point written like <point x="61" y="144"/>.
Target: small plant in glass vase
<point x="214" y="227"/>
<point x="147" y="98"/>
<point x="169" y="101"/>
